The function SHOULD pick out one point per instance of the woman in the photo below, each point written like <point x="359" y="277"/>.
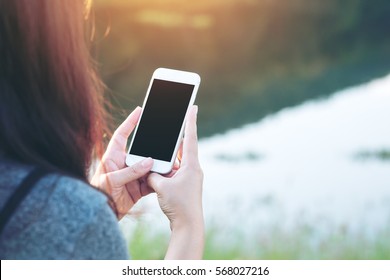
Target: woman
<point x="52" y="126"/>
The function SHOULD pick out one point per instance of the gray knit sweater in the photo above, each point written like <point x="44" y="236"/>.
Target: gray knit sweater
<point x="61" y="218"/>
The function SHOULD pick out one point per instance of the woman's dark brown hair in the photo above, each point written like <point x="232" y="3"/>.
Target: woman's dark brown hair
<point x="51" y="111"/>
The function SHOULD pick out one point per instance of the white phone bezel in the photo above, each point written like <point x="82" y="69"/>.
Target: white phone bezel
<point x="171" y="75"/>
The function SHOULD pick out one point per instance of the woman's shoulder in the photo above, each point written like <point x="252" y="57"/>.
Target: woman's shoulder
<point x="57" y="219"/>
<point x="64" y="190"/>
<point x="75" y="192"/>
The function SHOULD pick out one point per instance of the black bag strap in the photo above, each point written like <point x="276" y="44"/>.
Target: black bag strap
<point x="19" y="195"/>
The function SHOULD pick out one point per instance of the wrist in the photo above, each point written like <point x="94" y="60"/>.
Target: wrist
<point x="187" y="240"/>
<point x="193" y="224"/>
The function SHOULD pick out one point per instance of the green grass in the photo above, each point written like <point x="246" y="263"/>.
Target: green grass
<point x="302" y="242"/>
<point x="381" y="155"/>
<point x="144" y="246"/>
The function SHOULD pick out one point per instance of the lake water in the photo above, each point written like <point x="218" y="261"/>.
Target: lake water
<point x="299" y="165"/>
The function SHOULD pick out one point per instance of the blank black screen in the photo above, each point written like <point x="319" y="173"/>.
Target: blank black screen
<point x="162" y="119"/>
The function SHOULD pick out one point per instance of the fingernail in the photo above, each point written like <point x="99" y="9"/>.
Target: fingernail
<point x="196" y="109"/>
<point x="147" y="163"/>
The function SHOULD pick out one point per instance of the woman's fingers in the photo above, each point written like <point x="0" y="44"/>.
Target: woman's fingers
<point x="154" y="181"/>
<point x="145" y="189"/>
<point x="190" y="142"/>
<point x="180" y="153"/>
<point x="123" y="176"/>
<point x="119" y="139"/>
<point x="128" y="125"/>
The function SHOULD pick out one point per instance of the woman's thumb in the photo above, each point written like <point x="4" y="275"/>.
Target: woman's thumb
<point x="154" y="181"/>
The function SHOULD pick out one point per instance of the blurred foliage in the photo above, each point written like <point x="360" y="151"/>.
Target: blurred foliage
<point x="382" y="155"/>
<point x="254" y="57"/>
<point x="144" y="245"/>
<point x="245" y="157"/>
<point x="303" y="241"/>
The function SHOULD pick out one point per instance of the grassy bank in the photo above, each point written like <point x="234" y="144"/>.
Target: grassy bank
<point x="301" y="242"/>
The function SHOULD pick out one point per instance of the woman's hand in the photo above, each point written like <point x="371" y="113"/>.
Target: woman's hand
<point x="126" y="185"/>
<point x="180" y="198"/>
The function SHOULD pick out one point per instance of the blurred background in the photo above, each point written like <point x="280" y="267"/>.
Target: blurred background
<point x="293" y="119"/>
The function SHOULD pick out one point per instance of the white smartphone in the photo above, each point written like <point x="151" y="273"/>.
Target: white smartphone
<point x="159" y="131"/>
